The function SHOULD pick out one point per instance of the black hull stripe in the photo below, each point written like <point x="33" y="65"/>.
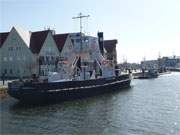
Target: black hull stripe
<point x="87" y="87"/>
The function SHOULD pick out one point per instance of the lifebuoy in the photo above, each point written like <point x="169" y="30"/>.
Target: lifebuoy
<point x="104" y="62"/>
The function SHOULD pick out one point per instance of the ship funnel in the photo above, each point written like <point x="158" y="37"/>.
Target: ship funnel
<point x="101" y="42"/>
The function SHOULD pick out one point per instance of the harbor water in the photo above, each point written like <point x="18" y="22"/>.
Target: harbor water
<point x="149" y="107"/>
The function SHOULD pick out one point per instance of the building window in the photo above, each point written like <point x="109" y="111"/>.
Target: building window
<point x="18" y="71"/>
<point x="5" y="71"/>
<point x="24" y="58"/>
<point x="18" y="48"/>
<point x="5" y="58"/>
<point x="10" y="71"/>
<point x="10" y="48"/>
<point x="10" y="58"/>
<point x="78" y="34"/>
<point x="18" y="58"/>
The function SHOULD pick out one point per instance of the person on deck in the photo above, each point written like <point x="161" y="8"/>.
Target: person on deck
<point x="3" y="78"/>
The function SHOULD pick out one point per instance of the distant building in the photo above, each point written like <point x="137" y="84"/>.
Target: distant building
<point x="169" y="61"/>
<point x="161" y="63"/>
<point x="149" y="64"/>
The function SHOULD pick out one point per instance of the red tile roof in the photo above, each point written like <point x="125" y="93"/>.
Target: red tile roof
<point x="110" y="45"/>
<point x="60" y="40"/>
<point x="3" y="37"/>
<point x="37" y="40"/>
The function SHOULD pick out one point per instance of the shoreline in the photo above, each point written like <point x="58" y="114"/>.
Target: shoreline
<point x="3" y="92"/>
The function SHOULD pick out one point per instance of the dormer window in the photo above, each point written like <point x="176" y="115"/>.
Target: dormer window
<point x="18" y="48"/>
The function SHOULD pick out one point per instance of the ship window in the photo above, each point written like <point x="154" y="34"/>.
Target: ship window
<point x="86" y="40"/>
<point x="78" y="34"/>
<point x="78" y="40"/>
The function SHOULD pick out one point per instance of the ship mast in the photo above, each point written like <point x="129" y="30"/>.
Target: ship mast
<point x="80" y="17"/>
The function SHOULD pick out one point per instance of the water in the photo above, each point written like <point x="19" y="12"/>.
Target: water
<point x="149" y="107"/>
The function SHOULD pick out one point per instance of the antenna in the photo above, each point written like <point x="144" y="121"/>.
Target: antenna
<point x="159" y="54"/>
<point x="80" y="16"/>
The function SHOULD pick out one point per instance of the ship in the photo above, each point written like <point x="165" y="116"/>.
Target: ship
<point x="73" y="80"/>
<point x="65" y="90"/>
<point x="86" y="72"/>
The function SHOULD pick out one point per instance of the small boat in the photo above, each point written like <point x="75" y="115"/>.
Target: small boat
<point x="152" y="73"/>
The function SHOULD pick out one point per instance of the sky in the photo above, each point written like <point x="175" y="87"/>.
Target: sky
<point x="143" y="28"/>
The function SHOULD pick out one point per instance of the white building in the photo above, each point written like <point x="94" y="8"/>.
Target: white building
<point x="16" y="58"/>
<point x="3" y="37"/>
<point x="49" y="48"/>
<point x="67" y="54"/>
<point x="44" y="48"/>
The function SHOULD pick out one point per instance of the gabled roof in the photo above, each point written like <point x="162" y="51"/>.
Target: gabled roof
<point x="110" y="45"/>
<point x="3" y="37"/>
<point x="60" y="40"/>
<point x="24" y="34"/>
<point x="37" y="40"/>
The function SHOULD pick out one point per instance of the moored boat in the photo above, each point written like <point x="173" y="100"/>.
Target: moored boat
<point x="57" y="91"/>
<point x="152" y="73"/>
<point x="75" y="78"/>
<point x="86" y="72"/>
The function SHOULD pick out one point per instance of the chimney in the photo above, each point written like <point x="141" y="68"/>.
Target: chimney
<point x="101" y="42"/>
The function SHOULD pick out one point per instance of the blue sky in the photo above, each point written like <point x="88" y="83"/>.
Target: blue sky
<point x="143" y="27"/>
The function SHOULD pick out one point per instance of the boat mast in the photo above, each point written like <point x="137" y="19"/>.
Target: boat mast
<point x="80" y="17"/>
